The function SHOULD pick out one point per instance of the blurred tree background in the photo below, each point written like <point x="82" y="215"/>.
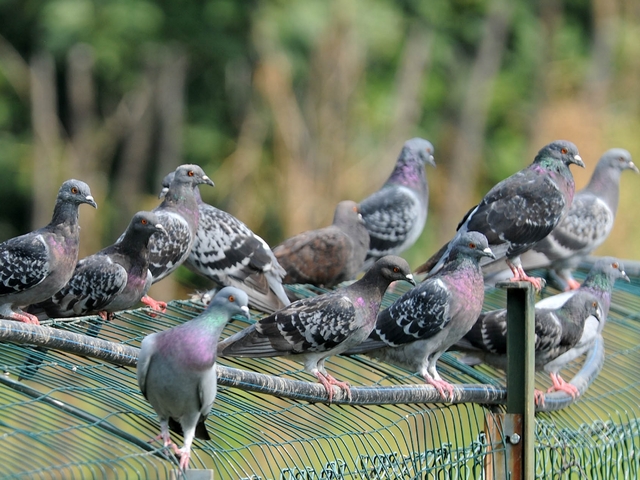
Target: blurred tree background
<point x="292" y="106"/>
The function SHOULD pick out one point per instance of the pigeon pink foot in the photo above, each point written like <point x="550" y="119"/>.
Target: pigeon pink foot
<point x="560" y="385"/>
<point x="444" y="388"/>
<point x="156" y="305"/>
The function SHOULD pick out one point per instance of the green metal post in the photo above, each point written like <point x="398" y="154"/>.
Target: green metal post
<point x="519" y="425"/>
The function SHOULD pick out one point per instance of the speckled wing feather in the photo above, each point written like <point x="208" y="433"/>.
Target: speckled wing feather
<point x="96" y="281"/>
<point x="24" y="263"/>
<point x="168" y="250"/>
<point x="315" y="324"/>
<point x="390" y="215"/>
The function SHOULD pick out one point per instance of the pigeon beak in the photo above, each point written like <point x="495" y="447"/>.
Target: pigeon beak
<point x="488" y="253"/>
<point x="411" y="280"/>
<point x="245" y="309"/>
<point x="208" y="181"/>
<point x="89" y="199"/>
<point x="163" y="192"/>
<point x="625" y="276"/>
<point x="577" y="159"/>
<point x="633" y="167"/>
<point x="599" y="314"/>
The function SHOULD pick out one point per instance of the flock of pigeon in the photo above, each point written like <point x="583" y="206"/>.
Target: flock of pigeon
<point x="530" y="219"/>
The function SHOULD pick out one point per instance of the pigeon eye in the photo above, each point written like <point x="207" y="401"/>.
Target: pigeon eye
<point x="190" y="173"/>
<point x="355" y="209"/>
<point x="396" y="269"/>
<point x="615" y="265"/>
<point x="74" y="190"/>
<point x="232" y="298"/>
<point x="594" y="304"/>
<point x="564" y="151"/>
<point x="143" y="221"/>
<point x="472" y="245"/>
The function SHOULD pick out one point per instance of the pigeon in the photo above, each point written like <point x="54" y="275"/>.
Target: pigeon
<point x="396" y="214"/>
<point x="599" y="283"/>
<point x="36" y="265"/>
<point x="315" y="328"/>
<point x="557" y="330"/>
<point x="227" y="252"/>
<point x="522" y="209"/>
<point x="587" y="224"/>
<point x="177" y="370"/>
<point x="178" y="214"/>
<point x="329" y="255"/>
<point x="420" y="325"/>
<point x="111" y="280"/>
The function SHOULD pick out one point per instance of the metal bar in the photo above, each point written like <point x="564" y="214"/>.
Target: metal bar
<point x="520" y="418"/>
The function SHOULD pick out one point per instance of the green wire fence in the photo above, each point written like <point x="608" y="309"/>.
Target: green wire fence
<point x="80" y="415"/>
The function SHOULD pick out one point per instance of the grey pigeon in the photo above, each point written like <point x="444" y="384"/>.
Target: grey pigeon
<point x="557" y="330"/>
<point x="396" y="214"/>
<point x="179" y="215"/>
<point x="227" y="252"/>
<point x="599" y="283"/>
<point x="315" y="328"/>
<point x="420" y="325"/>
<point x="522" y="209"/>
<point x="177" y="370"/>
<point x="588" y="222"/>
<point x="36" y="265"/>
<point x="111" y="280"/>
<point x="329" y="255"/>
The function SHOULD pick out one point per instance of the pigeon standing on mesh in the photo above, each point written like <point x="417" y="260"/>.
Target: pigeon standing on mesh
<point x="599" y="282"/>
<point x="396" y="214"/>
<point x="179" y="215"/>
<point x="557" y="330"/>
<point x="177" y="370"/>
<point x="315" y="328"/>
<point x="522" y="209"/>
<point x="329" y="255"/>
<point x="420" y="325"/>
<point x="587" y="224"/>
<point x="36" y="265"/>
<point x="227" y="252"/>
<point x="113" y="279"/>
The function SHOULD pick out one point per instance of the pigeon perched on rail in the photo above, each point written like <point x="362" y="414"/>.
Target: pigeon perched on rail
<point x="557" y="330"/>
<point x="587" y="224"/>
<point x="227" y="252"/>
<point x="177" y="370"/>
<point x="521" y="210"/>
<point x="36" y="265"/>
<point x="111" y="280"/>
<point x="420" y="325"/>
<point x="315" y="328"/>
<point x="396" y="214"/>
<point x="329" y="255"/>
<point x="599" y="283"/>
<point x="178" y="214"/>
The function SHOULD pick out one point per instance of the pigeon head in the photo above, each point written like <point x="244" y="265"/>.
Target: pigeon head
<point x="561" y="150"/>
<point x="392" y="268"/>
<point x="76" y="192"/>
<point x="473" y="244"/>
<point x="166" y="183"/>
<point x="617" y="159"/>
<point x="419" y="148"/>
<point x="608" y="268"/>
<point x="190" y="175"/>
<point x="347" y="213"/>
<point x="589" y="303"/>
<point x="232" y="300"/>
<point x="147" y="222"/>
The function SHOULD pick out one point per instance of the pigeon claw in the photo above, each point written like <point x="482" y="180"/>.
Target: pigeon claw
<point x="184" y="458"/>
<point x="328" y="382"/>
<point x="444" y="388"/>
<point x="25" y="317"/>
<point x="156" y="305"/>
<point x="560" y="385"/>
<point x="519" y="275"/>
<point x="538" y="398"/>
<point x="573" y="284"/>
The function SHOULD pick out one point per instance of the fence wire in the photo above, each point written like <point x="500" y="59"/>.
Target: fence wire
<point x="68" y="416"/>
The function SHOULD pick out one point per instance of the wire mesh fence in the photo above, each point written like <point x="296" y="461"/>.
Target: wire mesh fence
<point x="68" y="416"/>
